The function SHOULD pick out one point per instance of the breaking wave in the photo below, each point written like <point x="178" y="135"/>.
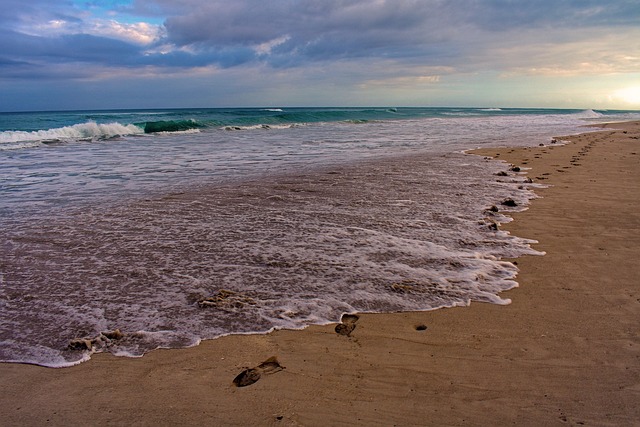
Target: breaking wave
<point x="91" y="130"/>
<point x="588" y="114"/>
<point x="83" y="131"/>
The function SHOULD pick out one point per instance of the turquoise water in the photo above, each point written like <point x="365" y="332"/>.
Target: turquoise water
<point x="126" y="219"/>
<point x="50" y="160"/>
<point x="39" y="126"/>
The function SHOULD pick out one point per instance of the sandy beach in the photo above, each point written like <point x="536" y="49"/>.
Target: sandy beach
<point x="566" y="351"/>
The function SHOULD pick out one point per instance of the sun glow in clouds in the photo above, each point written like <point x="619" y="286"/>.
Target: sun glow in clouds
<point x="629" y="95"/>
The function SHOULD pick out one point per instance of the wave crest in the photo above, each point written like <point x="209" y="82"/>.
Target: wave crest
<point x="588" y="114"/>
<point x="171" y="126"/>
<point x="88" y="130"/>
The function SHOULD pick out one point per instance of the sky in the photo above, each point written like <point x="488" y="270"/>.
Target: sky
<point x="91" y="54"/>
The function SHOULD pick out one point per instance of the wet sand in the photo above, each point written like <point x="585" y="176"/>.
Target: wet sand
<point x="565" y="352"/>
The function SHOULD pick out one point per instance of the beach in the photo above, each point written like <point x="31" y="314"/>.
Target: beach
<point x="566" y="351"/>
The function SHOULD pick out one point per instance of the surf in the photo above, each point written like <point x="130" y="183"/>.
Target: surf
<point x="84" y="131"/>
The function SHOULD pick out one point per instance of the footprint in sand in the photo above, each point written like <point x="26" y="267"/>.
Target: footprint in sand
<point x="252" y="375"/>
<point x="247" y="377"/>
<point x="347" y="324"/>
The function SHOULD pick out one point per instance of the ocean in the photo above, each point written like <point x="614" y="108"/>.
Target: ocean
<point x="127" y="231"/>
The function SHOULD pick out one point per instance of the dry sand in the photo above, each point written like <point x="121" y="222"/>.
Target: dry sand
<point x="565" y="352"/>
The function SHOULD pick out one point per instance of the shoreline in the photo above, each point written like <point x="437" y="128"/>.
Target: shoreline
<point x="384" y="235"/>
<point x="566" y="349"/>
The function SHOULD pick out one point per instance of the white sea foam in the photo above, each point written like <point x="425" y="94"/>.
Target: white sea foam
<point x="263" y="126"/>
<point x="178" y="132"/>
<point x="88" y="130"/>
<point x="299" y="250"/>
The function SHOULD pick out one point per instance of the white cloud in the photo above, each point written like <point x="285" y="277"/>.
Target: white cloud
<point x="140" y="33"/>
<point x="266" y="47"/>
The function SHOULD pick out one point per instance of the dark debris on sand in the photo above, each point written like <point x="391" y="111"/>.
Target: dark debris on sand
<point x="251" y="375"/>
<point x="347" y="324"/>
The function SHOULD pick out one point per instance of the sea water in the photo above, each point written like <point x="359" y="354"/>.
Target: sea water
<point x="173" y="226"/>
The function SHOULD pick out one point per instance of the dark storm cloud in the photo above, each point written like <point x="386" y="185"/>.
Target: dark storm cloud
<point x="292" y="33"/>
<point x="256" y="21"/>
<point x="313" y="29"/>
<point x="434" y="31"/>
<point x="27" y="53"/>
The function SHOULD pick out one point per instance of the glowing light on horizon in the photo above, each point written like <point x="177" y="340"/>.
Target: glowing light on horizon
<point x="629" y="95"/>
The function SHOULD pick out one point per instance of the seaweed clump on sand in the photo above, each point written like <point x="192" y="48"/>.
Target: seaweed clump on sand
<point x="102" y="340"/>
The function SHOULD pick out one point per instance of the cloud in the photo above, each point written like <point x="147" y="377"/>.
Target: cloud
<point x="313" y="30"/>
<point x="291" y="33"/>
<point x="140" y="33"/>
<point x="65" y="48"/>
<point x="355" y="45"/>
<point x="19" y="12"/>
<point x="455" y="33"/>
